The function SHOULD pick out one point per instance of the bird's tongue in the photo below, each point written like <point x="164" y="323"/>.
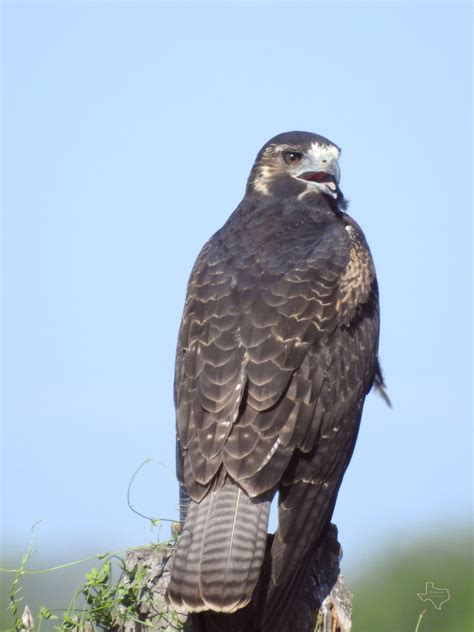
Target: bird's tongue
<point x="321" y="176"/>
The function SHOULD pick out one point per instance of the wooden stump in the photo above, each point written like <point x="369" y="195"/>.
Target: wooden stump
<point x="325" y="604"/>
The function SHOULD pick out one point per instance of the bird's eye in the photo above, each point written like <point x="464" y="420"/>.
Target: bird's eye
<point x="292" y="158"/>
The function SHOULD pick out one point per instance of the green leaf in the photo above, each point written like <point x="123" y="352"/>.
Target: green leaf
<point x="46" y="613"/>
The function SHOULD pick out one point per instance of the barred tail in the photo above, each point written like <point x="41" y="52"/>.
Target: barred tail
<point x="220" y="552"/>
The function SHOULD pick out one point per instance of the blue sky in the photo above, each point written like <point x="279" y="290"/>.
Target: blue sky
<point x="129" y="130"/>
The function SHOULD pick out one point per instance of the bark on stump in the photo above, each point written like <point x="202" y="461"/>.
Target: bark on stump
<point x="324" y="606"/>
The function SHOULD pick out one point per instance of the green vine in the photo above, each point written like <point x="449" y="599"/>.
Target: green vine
<point x="101" y="602"/>
<point x="14" y="594"/>
<point x="107" y="603"/>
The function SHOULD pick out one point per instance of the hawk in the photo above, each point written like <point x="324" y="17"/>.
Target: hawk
<point x="277" y="351"/>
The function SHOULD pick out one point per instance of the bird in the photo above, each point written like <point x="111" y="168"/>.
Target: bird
<point x="277" y="350"/>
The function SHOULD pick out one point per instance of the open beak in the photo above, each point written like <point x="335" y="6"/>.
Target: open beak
<point x="325" y="173"/>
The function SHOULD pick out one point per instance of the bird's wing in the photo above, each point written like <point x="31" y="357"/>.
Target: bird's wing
<point x="308" y="490"/>
<point x="276" y="351"/>
<point x="250" y="325"/>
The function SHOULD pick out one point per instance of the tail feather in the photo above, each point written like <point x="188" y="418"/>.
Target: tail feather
<point x="379" y="385"/>
<point x="292" y="557"/>
<point x="220" y="552"/>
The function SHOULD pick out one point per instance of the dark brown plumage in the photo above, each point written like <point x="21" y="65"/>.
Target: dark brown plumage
<point x="276" y="353"/>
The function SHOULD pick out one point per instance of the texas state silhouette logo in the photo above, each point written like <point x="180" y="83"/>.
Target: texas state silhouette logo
<point x="437" y="596"/>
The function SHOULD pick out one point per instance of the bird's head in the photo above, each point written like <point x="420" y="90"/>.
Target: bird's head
<point x="299" y="164"/>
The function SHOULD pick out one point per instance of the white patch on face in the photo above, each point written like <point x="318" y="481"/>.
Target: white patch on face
<point x="325" y="152"/>
<point x="260" y="183"/>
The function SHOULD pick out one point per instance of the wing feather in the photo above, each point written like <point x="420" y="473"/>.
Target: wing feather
<point x="277" y="349"/>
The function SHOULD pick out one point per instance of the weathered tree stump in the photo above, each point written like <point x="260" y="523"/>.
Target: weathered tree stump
<point x="325" y="604"/>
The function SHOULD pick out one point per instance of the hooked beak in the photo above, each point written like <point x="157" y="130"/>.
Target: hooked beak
<point x="325" y="173"/>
